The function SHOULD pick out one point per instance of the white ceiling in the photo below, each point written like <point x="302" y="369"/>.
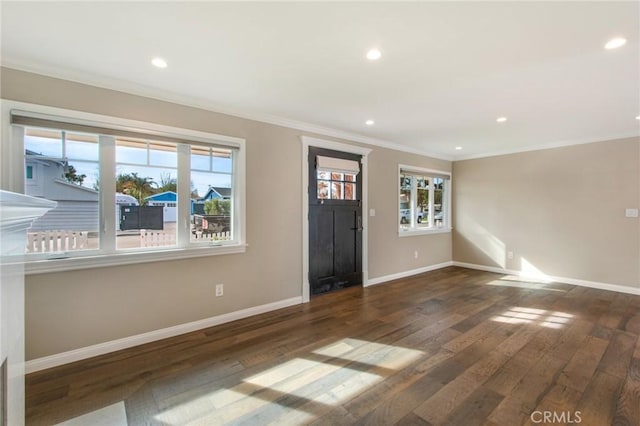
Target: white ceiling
<point x="448" y="69"/>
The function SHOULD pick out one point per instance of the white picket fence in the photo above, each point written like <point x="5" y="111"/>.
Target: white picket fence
<point x="61" y="241"/>
<point x="156" y="238"/>
<point x="213" y="236"/>
<point x="149" y="238"/>
<point x="56" y="241"/>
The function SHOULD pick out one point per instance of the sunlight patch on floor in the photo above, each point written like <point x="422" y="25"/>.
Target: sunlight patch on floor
<point x="112" y="415"/>
<point x="524" y="283"/>
<point x="298" y="390"/>
<point x="370" y="353"/>
<point x="544" y="318"/>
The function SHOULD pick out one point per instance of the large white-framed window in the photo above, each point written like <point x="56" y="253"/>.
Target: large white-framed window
<point x="127" y="191"/>
<point x="424" y="200"/>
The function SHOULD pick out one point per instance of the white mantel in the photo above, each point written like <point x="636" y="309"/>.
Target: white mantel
<point x="17" y="212"/>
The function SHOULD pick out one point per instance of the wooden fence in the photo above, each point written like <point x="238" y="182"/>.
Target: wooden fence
<point x="56" y="241"/>
<point x="61" y="241"/>
<point x="149" y="238"/>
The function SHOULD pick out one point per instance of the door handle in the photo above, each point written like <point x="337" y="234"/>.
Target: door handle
<point x="358" y="227"/>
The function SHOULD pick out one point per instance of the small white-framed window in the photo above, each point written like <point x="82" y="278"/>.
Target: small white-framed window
<point x="424" y="200"/>
<point x="126" y="188"/>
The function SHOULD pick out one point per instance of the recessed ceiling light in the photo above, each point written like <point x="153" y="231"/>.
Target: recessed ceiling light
<point x="159" y="62"/>
<point x="638" y="117"/>
<point x="374" y="54"/>
<point x="501" y="119"/>
<point x="458" y="148"/>
<point x="614" y="43"/>
<point x="369" y="122"/>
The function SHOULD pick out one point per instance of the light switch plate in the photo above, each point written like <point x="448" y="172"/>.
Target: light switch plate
<point x="631" y="212"/>
<point x="372" y="212"/>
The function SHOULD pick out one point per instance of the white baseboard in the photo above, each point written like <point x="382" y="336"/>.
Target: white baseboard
<point x="140" y="339"/>
<point x="383" y="279"/>
<point x="583" y="283"/>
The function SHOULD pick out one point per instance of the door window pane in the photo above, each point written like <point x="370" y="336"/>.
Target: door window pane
<point x="323" y="189"/>
<point x="336" y="191"/>
<point x="334" y="186"/>
<point x="349" y="191"/>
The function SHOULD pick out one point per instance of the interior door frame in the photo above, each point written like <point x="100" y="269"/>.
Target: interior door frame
<point x="308" y="141"/>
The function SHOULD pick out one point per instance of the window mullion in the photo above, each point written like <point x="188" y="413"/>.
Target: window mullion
<point x="107" y="146"/>
<point x="413" y="204"/>
<point x="432" y="221"/>
<point x="183" y="225"/>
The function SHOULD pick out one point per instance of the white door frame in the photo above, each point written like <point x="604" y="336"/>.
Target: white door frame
<point x="336" y="146"/>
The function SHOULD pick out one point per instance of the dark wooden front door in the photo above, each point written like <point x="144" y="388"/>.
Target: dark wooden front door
<point x="335" y="224"/>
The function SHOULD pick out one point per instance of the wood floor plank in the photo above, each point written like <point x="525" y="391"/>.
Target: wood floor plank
<point x="580" y="369"/>
<point x="616" y="359"/>
<point x="628" y="404"/>
<point x="598" y="404"/>
<point x="474" y="409"/>
<point x="561" y="400"/>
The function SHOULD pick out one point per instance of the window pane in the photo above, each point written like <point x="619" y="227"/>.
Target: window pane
<point x="324" y="175"/>
<point x="350" y="178"/>
<point x="81" y="147"/>
<point x="222" y="161"/>
<point x="349" y="191"/>
<point x="211" y="194"/>
<point x="200" y="158"/>
<point x="405" y="201"/>
<point x="405" y="182"/>
<point x="151" y="220"/>
<point x="131" y="152"/>
<point x="162" y="154"/>
<point x="336" y="191"/>
<point x="47" y="143"/>
<point x="422" y="202"/>
<point x="73" y="184"/>
<point x="323" y="189"/>
<point x="438" y="194"/>
<point x="336" y="176"/>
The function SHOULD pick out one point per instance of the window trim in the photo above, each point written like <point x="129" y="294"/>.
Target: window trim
<point x="446" y="228"/>
<point x="12" y="178"/>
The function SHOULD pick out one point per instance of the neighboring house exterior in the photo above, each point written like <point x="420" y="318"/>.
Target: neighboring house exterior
<point x="77" y="208"/>
<point x="169" y="201"/>
<point x="217" y="192"/>
<point x="214" y="193"/>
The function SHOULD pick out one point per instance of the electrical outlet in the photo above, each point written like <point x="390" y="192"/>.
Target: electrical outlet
<point x="415" y="254"/>
<point x="510" y="255"/>
<point x="219" y="290"/>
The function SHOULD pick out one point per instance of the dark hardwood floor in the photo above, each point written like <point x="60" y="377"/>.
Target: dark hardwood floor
<point x="449" y="347"/>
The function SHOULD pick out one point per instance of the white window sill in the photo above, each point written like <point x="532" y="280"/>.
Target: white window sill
<point x="428" y="231"/>
<point x="125" y="258"/>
